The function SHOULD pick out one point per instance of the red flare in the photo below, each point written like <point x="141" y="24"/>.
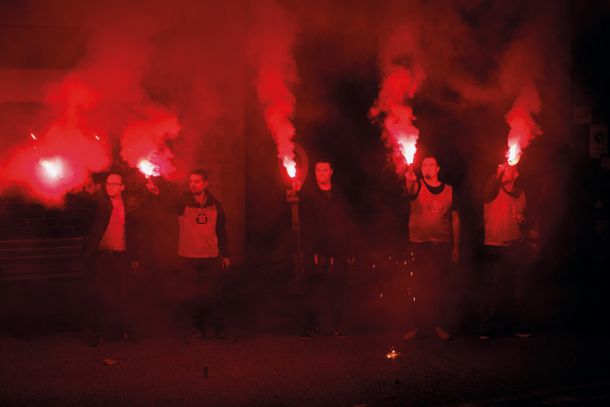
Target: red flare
<point x="523" y="127"/>
<point x="149" y="169"/>
<point x="271" y="52"/>
<point x="144" y="142"/>
<point x="291" y="167"/>
<point x="513" y="155"/>
<point x="398" y="86"/>
<point x="52" y="170"/>
<point x="408" y="148"/>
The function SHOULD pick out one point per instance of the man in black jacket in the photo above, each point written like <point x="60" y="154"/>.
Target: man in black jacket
<point x="111" y="255"/>
<point x="327" y="231"/>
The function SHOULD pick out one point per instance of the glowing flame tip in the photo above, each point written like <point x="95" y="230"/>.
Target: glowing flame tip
<point x="514" y="154"/>
<point x="408" y="149"/>
<point x="53" y="168"/>
<point x="148" y="168"/>
<point x="291" y="167"/>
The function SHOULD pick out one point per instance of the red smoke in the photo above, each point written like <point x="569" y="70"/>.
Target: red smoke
<point x="56" y="163"/>
<point x="523" y="127"/>
<point x="399" y="85"/>
<point x="273" y="38"/>
<point x="144" y="142"/>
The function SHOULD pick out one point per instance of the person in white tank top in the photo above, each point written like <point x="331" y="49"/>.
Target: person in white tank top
<point x="434" y="235"/>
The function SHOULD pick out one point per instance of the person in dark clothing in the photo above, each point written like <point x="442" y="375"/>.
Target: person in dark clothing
<point x="203" y="252"/>
<point x="327" y="235"/>
<point x="111" y="252"/>
<point x="504" y="255"/>
<point x="434" y="234"/>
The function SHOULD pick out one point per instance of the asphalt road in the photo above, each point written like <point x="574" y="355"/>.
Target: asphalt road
<point x="274" y="370"/>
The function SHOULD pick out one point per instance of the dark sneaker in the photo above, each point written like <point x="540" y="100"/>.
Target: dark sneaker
<point x="130" y="338"/>
<point x="223" y="337"/>
<point x="485" y="335"/>
<point x="442" y="334"/>
<point x="96" y="341"/>
<point x="194" y="336"/>
<point x="410" y="335"/>
<point x="308" y="334"/>
<point x="339" y="334"/>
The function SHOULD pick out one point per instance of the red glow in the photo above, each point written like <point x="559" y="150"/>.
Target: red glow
<point x="271" y="45"/>
<point x="291" y="167"/>
<point x="144" y="142"/>
<point x="392" y="354"/>
<point x="149" y="169"/>
<point x="523" y="127"/>
<point x="62" y="161"/>
<point x="52" y="169"/>
<point x="33" y="136"/>
<point x="514" y="154"/>
<point x="399" y="85"/>
<point x="408" y="148"/>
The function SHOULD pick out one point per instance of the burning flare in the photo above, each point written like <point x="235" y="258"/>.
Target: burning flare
<point x="52" y="169"/>
<point x="392" y="354"/>
<point x="273" y="37"/>
<point x="399" y="133"/>
<point x="523" y="127"/>
<point x="291" y="167"/>
<point x="145" y="141"/>
<point x="148" y="168"/>
<point x="408" y="148"/>
<point x="514" y="154"/>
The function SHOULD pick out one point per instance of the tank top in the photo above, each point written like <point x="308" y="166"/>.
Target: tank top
<point x="500" y="218"/>
<point x="430" y="218"/>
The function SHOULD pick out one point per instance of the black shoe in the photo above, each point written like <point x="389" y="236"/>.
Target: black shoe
<point x="485" y="335"/>
<point x="485" y="332"/>
<point x="410" y="335"/>
<point x="96" y="340"/>
<point x="308" y="334"/>
<point x="223" y="337"/>
<point x="339" y="334"/>
<point x="130" y="338"/>
<point x="442" y="334"/>
<point x="194" y="336"/>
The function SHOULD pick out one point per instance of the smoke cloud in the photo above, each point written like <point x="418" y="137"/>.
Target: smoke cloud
<point x="273" y="36"/>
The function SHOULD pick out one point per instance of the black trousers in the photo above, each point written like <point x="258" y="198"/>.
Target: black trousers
<point x="428" y="299"/>
<point x="501" y="287"/>
<point x="112" y="291"/>
<point x="201" y="292"/>
<point x="325" y="288"/>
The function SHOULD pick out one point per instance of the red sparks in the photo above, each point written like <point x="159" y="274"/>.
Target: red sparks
<point x="523" y="127"/>
<point x="392" y="354"/>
